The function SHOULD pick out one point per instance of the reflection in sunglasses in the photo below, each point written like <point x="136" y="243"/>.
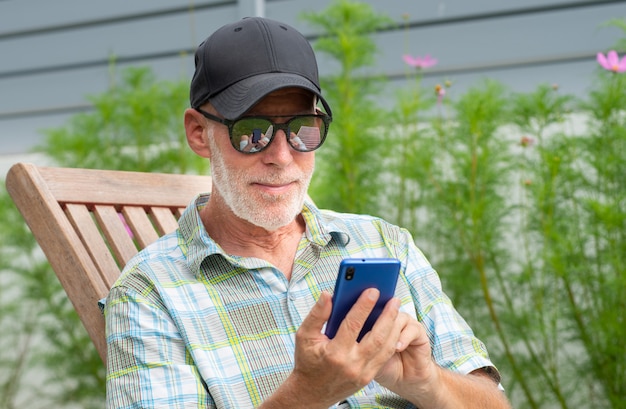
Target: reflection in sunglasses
<point x="311" y="136"/>
<point x="305" y="133"/>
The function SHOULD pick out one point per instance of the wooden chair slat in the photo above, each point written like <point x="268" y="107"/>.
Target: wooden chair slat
<point x="85" y="225"/>
<point x="164" y="220"/>
<point x="75" y="216"/>
<point x="111" y="187"/>
<point x="139" y="223"/>
<point x="115" y="231"/>
<point x="62" y="247"/>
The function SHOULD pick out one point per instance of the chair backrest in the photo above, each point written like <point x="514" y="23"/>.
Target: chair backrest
<point x="89" y="223"/>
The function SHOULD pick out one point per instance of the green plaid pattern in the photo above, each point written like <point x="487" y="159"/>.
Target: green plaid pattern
<point x="189" y="326"/>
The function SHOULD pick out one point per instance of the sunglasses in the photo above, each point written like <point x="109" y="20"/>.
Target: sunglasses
<point x="251" y="134"/>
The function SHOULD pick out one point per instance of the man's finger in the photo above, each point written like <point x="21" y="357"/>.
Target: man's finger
<point x="352" y="324"/>
<point x="318" y="315"/>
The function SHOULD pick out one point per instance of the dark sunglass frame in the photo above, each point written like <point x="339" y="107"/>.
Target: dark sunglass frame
<point x="326" y="119"/>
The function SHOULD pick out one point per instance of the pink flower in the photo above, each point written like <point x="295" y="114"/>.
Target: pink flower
<point x="440" y="92"/>
<point x="419" y="62"/>
<point x="526" y="141"/>
<point x="611" y="61"/>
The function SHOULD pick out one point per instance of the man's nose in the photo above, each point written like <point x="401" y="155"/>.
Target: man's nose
<point x="279" y="152"/>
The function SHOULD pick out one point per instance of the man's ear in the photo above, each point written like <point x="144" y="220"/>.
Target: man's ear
<point x="194" y="129"/>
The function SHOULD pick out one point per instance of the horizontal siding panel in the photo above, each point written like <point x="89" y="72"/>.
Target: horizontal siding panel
<point x="169" y="34"/>
<point x="574" y="78"/>
<point x="492" y="41"/>
<point x="459" y="47"/>
<point x="20" y="134"/>
<point x="521" y="43"/>
<point x="50" y="91"/>
<point x="506" y="41"/>
<point x="429" y="11"/>
<point x="53" y="15"/>
<point x="172" y="33"/>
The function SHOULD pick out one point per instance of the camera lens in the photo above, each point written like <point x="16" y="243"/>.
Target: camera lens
<point x="349" y="273"/>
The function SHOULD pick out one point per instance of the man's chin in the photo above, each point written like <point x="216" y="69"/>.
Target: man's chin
<point x="276" y="213"/>
<point x="267" y="222"/>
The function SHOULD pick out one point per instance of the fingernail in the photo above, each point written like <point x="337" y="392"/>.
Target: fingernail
<point x="373" y="294"/>
<point x="396" y="303"/>
<point x="322" y="300"/>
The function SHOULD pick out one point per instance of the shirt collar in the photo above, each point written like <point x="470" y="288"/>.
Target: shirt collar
<point x="320" y="230"/>
<point x="197" y="245"/>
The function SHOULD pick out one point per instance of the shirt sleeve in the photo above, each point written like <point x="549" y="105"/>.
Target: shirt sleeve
<point x="454" y="344"/>
<point x="147" y="362"/>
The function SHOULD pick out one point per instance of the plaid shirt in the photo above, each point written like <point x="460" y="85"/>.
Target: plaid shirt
<point x="189" y="326"/>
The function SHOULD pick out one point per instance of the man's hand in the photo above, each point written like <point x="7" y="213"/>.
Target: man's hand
<point x="396" y="352"/>
<point x="411" y="368"/>
<point x="327" y="371"/>
<point x="413" y="374"/>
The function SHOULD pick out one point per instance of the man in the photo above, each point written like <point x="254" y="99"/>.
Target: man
<point x="229" y="310"/>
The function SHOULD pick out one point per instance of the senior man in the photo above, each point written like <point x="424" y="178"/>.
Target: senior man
<point x="229" y="310"/>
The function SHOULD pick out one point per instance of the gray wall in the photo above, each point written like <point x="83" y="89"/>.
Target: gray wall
<point x="54" y="53"/>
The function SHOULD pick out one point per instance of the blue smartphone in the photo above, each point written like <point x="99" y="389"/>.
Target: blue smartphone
<point x="355" y="276"/>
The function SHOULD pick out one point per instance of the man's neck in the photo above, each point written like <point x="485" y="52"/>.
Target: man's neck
<point x="239" y="237"/>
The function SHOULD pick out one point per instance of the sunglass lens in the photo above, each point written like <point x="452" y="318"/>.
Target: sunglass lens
<point x="251" y="134"/>
<point x="306" y="133"/>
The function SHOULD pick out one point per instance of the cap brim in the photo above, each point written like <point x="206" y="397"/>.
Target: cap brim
<point x="237" y="99"/>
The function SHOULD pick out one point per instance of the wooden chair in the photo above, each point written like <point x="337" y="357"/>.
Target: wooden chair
<point x="75" y="216"/>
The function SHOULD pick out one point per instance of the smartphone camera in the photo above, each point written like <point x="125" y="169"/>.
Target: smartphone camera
<point x="349" y="273"/>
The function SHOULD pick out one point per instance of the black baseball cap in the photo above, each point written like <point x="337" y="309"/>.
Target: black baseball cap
<point x="242" y="62"/>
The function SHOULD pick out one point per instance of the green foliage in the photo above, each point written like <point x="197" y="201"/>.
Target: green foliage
<point x="518" y="203"/>
<point x="469" y="206"/>
<point x="621" y="24"/>
<point x="601" y="245"/>
<point x="519" y="200"/>
<point x="413" y="149"/>
<point x="130" y="128"/>
<point x="135" y="125"/>
<point x="31" y="302"/>
<point x="346" y="28"/>
<point x="350" y="160"/>
<point x="572" y="223"/>
<point x="16" y="319"/>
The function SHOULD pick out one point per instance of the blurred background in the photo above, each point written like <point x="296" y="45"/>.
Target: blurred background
<point x="54" y="53"/>
<point x="505" y="160"/>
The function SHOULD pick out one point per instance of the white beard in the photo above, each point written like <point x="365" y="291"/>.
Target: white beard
<point x="268" y="211"/>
